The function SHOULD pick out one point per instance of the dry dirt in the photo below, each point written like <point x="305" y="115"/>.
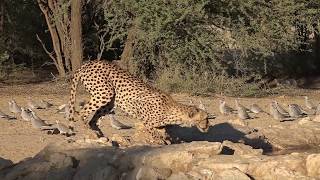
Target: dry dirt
<point x="18" y="140"/>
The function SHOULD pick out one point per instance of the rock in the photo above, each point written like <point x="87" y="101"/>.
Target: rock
<point x="198" y="172"/>
<point x="241" y="149"/>
<point x="223" y="162"/>
<point x="100" y="172"/>
<point x="313" y="165"/>
<point x="233" y="174"/>
<point x="292" y="134"/>
<point x="66" y="161"/>
<point x="179" y="156"/>
<point x="282" y="167"/>
<point x="145" y="173"/>
<point x="196" y="160"/>
<point x="38" y="169"/>
<point x="178" y="176"/>
<point x="90" y="160"/>
<point x="201" y="147"/>
<point x="5" y="163"/>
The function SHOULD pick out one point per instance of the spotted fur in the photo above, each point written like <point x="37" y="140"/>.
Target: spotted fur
<point x="111" y="86"/>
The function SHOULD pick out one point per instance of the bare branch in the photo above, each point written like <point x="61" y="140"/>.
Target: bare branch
<point x="102" y="45"/>
<point x="46" y="50"/>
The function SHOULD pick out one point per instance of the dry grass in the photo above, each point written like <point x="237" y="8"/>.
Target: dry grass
<point x="217" y="84"/>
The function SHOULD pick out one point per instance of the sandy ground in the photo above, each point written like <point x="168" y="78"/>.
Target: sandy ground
<point x="19" y="140"/>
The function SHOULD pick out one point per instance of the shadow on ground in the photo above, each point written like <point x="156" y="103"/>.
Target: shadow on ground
<point x="217" y="133"/>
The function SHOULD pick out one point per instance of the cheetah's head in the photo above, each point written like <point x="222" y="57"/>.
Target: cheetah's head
<point x="198" y="118"/>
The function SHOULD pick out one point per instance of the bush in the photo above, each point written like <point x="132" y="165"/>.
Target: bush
<point x="187" y="44"/>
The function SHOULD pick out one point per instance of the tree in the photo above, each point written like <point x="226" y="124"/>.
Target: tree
<point x="237" y="37"/>
<point x="2" y="16"/>
<point x="65" y="31"/>
<point x="76" y="34"/>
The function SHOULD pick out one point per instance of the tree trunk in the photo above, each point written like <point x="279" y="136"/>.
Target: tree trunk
<point x="317" y="45"/>
<point x="76" y="35"/>
<point x="1" y="16"/>
<point x="127" y="53"/>
<point x="56" y="43"/>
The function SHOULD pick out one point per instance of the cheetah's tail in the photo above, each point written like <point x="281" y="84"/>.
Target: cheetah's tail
<point x="75" y="81"/>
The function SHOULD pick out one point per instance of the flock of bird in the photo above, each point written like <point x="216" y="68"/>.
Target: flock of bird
<point x="277" y="112"/>
<point x="28" y="114"/>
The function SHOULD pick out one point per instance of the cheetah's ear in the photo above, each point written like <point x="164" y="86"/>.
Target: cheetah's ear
<point x="192" y="112"/>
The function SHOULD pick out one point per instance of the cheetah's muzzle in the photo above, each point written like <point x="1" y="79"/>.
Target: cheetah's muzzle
<point x="203" y="126"/>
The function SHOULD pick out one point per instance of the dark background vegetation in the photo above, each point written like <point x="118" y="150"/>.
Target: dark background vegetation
<point x="197" y="46"/>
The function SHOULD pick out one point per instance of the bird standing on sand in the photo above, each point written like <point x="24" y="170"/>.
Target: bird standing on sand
<point x="13" y="107"/>
<point x="242" y="111"/>
<point x="201" y="106"/>
<point x="63" y="129"/>
<point x="117" y="124"/>
<point x="255" y="109"/>
<point x="295" y="111"/>
<point x="317" y="111"/>
<point x="45" y="104"/>
<point x="26" y="114"/>
<point x="224" y="108"/>
<point x="32" y="104"/>
<point x="274" y="112"/>
<point x="5" y="116"/>
<point x="40" y="124"/>
<point x="243" y="114"/>
<point x="280" y="108"/>
<point x="238" y="104"/>
<point x="308" y="103"/>
<point x="64" y="109"/>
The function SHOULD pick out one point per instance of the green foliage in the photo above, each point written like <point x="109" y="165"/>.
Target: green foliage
<point x="183" y="39"/>
<point x="3" y="66"/>
<point x="22" y="22"/>
<point x="184" y="45"/>
<point x="208" y="83"/>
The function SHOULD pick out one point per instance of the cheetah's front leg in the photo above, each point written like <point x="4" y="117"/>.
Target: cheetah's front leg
<point x="159" y="136"/>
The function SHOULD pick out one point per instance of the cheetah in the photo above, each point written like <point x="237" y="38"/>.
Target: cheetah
<point x="110" y="86"/>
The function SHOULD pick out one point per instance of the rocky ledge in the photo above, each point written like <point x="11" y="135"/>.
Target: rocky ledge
<point x="195" y="160"/>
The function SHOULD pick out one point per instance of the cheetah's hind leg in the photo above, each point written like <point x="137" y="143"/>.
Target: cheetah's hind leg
<point x="96" y="106"/>
<point x="94" y="118"/>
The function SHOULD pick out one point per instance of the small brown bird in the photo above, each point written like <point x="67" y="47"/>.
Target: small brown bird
<point x="295" y="111"/>
<point x="274" y="112"/>
<point x="280" y="108"/>
<point x="238" y="104"/>
<point x="63" y="129"/>
<point x="32" y="104"/>
<point x="201" y="106"/>
<point x="45" y="104"/>
<point x="308" y="103"/>
<point x="13" y="107"/>
<point x="224" y="108"/>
